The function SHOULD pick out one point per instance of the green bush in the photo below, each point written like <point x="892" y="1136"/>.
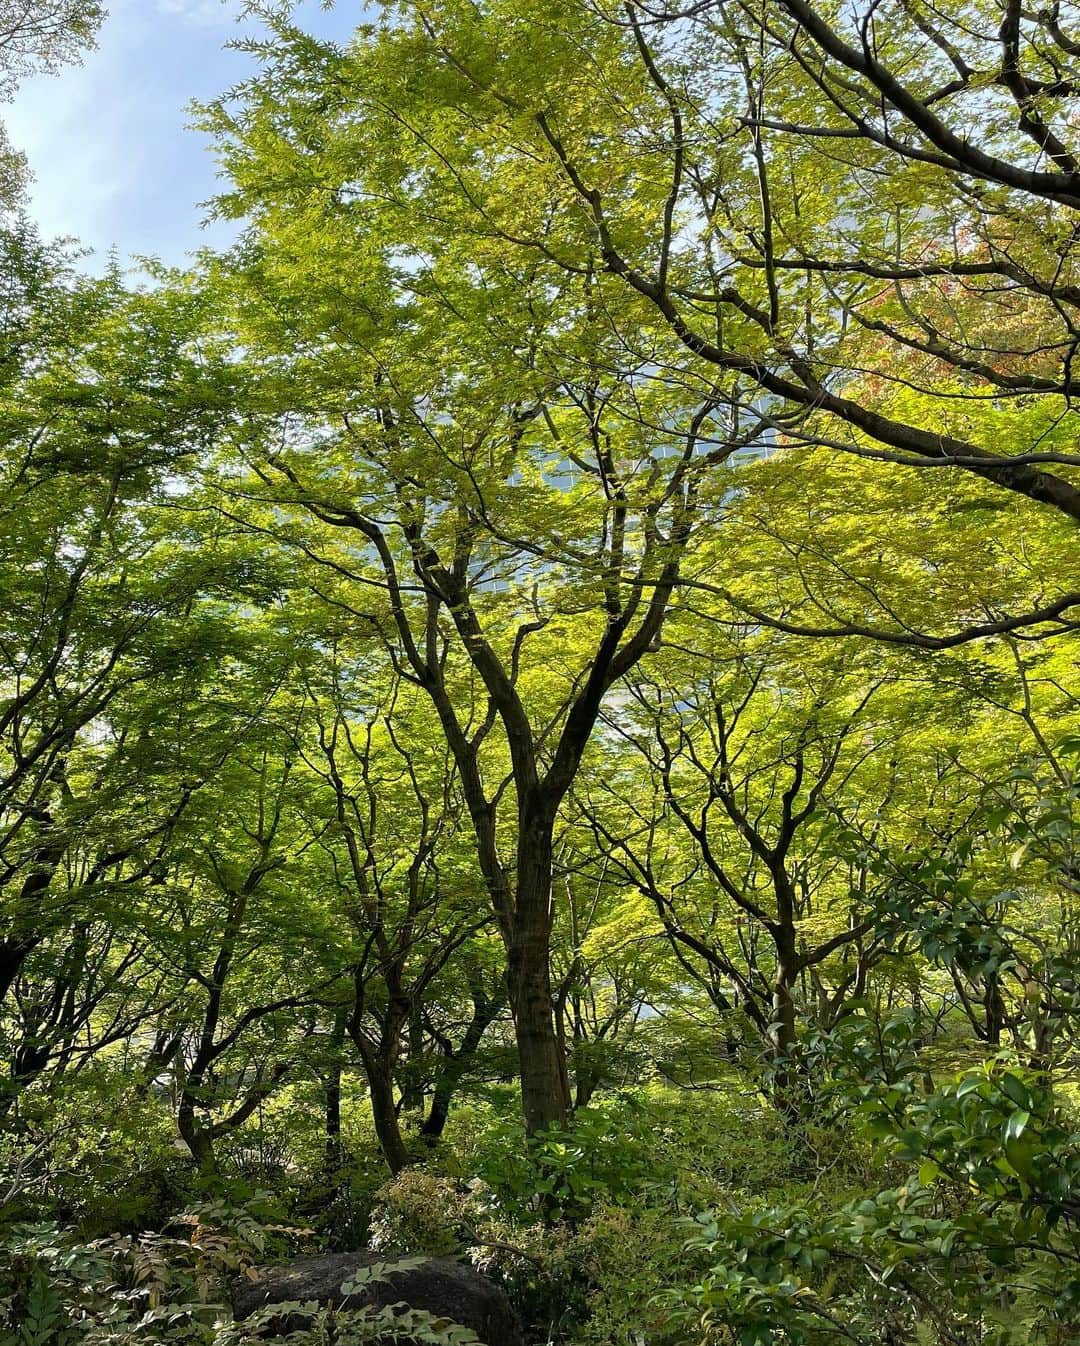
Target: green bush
<point x="626" y="1258"/>
<point x="419" y="1212"/>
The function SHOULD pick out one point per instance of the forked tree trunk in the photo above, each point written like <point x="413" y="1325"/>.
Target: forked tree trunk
<point x="379" y="1060"/>
<point x="196" y="1137"/>
<point x="485" y="1011"/>
<point x="385" y="1116"/>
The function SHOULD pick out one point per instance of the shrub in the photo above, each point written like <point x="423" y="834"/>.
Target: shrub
<point x="419" y="1212"/>
<point x="626" y="1257"/>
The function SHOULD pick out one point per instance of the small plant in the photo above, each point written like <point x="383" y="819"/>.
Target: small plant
<point x="151" y="1288"/>
<point x="418" y="1212"/>
<point x="609" y="1156"/>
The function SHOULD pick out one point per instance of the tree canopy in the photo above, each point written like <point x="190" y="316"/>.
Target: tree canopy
<point x="538" y="711"/>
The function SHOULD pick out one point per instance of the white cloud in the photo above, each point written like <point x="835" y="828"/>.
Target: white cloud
<point x="107" y="141"/>
<point x="71" y="128"/>
<point x="206" y="13"/>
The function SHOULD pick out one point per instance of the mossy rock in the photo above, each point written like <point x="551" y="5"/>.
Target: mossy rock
<point x="449" y="1290"/>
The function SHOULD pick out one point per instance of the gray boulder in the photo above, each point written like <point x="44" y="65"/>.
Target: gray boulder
<point x="441" y="1286"/>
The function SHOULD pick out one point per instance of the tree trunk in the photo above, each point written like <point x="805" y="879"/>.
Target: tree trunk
<point x="195" y="1137"/>
<point x="384" y="1113"/>
<point x="332" y="1098"/>
<point x="13" y="953"/>
<point x="379" y="1060"/>
<point x="485" y="1011"/>
<point x="413" y="1096"/>
<point x="586" y="1080"/>
<point x="995" y="1010"/>
<point x="545" y="1091"/>
<point x="789" y="1081"/>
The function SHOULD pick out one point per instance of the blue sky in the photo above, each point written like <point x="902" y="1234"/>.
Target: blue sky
<point x="112" y="161"/>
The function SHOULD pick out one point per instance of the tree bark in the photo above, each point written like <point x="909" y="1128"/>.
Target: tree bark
<point x="485" y="1011"/>
<point x="383" y="1111"/>
<point x="197" y="1138"/>
<point x="545" y="1092"/>
<point x="332" y="1098"/>
<point x="379" y="1059"/>
<point x="789" y="1078"/>
<point x="413" y="1096"/>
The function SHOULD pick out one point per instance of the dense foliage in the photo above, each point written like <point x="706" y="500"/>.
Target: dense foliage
<point x="538" y="691"/>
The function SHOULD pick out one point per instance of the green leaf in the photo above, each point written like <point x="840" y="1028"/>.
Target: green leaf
<point x="1017" y="1090"/>
<point x="1014" y="1127"/>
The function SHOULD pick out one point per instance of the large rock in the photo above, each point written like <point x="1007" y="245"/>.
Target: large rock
<point x="440" y="1285"/>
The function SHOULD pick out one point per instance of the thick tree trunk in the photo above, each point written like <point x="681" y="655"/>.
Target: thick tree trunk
<point x="195" y="1137"/>
<point x="379" y="1060"/>
<point x="586" y="1081"/>
<point x="545" y="1091"/>
<point x="13" y="953"/>
<point x="30" y="1060"/>
<point x="789" y="1080"/>
<point x="439" y="1112"/>
<point x="15" y="948"/>
<point x="543" y="1074"/>
<point x="384" y="1113"/>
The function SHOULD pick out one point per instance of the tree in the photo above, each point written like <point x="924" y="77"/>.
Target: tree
<point x="37" y="35"/>
<point x="237" y="950"/>
<point x="497" y="477"/>
<point x="387" y="816"/>
<point x="719" y="162"/>
<point x="103" y="395"/>
<point x="747" y="752"/>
